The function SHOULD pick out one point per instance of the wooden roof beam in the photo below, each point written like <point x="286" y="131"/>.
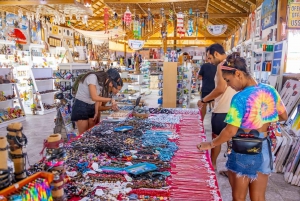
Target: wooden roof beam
<point x="145" y="1"/>
<point x="216" y="9"/>
<point x="237" y="7"/>
<point x="98" y="9"/>
<point x="241" y="3"/>
<point x="190" y="38"/>
<point x="210" y="16"/>
<point x="221" y="6"/>
<point x="253" y="2"/>
<point x="35" y="2"/>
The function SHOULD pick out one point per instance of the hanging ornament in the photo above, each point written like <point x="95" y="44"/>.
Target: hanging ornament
<point x="106" y="19"/>
<point x="136" y="27"/>
<point x="127" y="17"/>
<point x="180" y="27"/>
<point x="85" y="20"/>
<point x="190" y="29"/>
<point x="37" y="16"/>
<point x="205" y="17"/>
<point x="116" y="19"/>
<point x="150" y="22"/>
<point x="163" y="24"/>
<point x="197" y="21"/>
<point x="171" y="16"/>
<point x="20" y="13"/>
<point x="32" y="16"/>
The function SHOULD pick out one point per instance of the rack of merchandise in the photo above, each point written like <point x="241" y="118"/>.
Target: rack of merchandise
<point x="11" y="106"/>
<point x="184" y="78"/>
<point x="41" y="79"/>
<point x="66" y="76"/>
<point x="263" y="62"/>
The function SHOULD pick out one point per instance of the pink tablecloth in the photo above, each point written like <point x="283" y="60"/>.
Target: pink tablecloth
<point x="193" y="176"/>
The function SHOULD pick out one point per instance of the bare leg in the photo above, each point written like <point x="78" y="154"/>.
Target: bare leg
<point x="91" y="123"/>
<point x="215" y="153"/>
<point x="239" y="186"/>
<point x="258" y="188"/>
<point x="203" y="110"/>
<point x="82" y="126"/>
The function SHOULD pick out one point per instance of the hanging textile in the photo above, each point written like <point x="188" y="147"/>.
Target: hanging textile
<point x="106" y="19"/>
<point x="190" y="29"/>
<point x="180" y="26"/>
<point x="127" y="18"/>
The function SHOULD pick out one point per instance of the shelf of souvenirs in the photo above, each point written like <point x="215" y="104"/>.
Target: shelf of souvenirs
<point x="11" y="115"/>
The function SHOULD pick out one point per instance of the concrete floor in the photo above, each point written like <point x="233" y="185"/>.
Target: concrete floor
<point x="37" y="128"/>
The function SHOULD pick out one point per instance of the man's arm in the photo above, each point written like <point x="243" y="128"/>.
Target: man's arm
<point x="220" y="88"/>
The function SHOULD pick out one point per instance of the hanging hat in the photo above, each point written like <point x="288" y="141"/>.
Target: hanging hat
<point x="115" y="77"/>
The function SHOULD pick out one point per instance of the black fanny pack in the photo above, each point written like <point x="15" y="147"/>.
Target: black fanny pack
<point x="247" y="143"/>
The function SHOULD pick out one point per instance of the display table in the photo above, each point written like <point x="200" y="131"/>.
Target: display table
<point x="106" y="164"/>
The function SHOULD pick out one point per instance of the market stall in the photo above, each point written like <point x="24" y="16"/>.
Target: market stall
<point x="138" y="159"/>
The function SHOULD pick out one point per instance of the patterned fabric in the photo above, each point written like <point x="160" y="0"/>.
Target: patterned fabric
<point x="255" y="106"/>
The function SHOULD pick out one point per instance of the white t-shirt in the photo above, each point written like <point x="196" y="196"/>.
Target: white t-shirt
<point x="83" y="92"/>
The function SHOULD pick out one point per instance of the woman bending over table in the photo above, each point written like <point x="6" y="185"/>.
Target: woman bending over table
<point x="251" y="112"/>
<point x="93" y="88"/>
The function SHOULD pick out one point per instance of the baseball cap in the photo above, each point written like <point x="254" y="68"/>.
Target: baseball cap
<point x="115" y="77"/>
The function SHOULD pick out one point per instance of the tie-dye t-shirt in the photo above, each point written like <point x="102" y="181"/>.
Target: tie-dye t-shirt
<point x="255" y="106"/>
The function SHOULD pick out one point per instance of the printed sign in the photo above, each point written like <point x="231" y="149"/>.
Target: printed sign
<point x="294" y="16"/>
<point x="269" y="13"/>
<point x="136" y="44"/>
<point x="216" y="30"/>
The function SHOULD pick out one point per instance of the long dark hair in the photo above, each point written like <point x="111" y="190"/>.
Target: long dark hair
<point x="103" y="80"/>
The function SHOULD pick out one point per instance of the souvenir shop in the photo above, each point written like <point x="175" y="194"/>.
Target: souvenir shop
<point x="143" y="151"/>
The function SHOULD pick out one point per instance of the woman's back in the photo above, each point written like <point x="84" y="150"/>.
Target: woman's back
<point x="255" y="106"/>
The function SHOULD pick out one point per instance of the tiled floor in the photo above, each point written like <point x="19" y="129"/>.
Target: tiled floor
<point x="37" y="128"/>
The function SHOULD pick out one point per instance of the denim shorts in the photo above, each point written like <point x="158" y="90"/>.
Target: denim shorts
<point x="82" y="110"/>
<point x="249" y="165"/>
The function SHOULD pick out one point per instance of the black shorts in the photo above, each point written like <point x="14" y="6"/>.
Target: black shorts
<point x="217" y="122"/>
<point x="203" y="94"/>
<point x="82" y="111"/>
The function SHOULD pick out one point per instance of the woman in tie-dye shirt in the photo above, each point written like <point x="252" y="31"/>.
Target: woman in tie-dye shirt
<point x="254" y="107"/>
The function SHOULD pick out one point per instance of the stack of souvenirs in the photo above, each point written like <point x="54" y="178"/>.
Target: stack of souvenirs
<point x="54" y="162"/>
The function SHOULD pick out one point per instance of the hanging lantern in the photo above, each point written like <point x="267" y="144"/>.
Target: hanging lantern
<point x="127" y="17"/>
<point x="88" y="3"/>
<point x="205" y="17"/>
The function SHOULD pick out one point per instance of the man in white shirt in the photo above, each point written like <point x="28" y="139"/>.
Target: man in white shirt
<point x="222" y="94"/>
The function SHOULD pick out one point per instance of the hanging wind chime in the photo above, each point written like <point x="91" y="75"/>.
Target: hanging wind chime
<point x="163" y="24"/>
<point x="136" y="28"/>
<point x="115" y="21"/>
<point x="197" y="15"/>
<point x="171" y="17"/>
<point x="150" y="22"/>
<point x="190" y="29"/>
<point x="106" y="19"/>
<point x="127" y="19"/>
<point x="180" y="25"/>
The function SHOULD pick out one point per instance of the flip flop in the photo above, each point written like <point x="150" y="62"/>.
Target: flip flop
<point x="224" y="173"/>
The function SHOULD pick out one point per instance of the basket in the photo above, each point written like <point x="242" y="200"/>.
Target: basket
<point x="143" y="116"/>
<point x="15" y="187"/>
